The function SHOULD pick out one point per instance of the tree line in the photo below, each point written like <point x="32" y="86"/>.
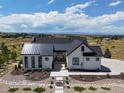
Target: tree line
<point x="6" y="54"/>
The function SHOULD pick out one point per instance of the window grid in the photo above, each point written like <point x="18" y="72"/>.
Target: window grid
<point x="33" y="61"/>
<point x="26" y="61"/>
<point x="75" y="61"/>
<point x="39" y="61"/>
<point x="97" y="59"/>
<point x="87" y="59"/>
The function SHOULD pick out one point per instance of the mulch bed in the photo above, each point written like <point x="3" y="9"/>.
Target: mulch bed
<point x="36" y="75"/>
<point x="17" y="72"/>
<point x="91" y="78"/>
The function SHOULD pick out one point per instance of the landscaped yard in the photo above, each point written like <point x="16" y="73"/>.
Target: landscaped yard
<point x="40" y="81"/>
<point x="100" y="86"/>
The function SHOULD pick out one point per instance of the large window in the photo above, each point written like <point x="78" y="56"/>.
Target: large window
<point x="39" y="61"/>
<point x="26" y="61"/>
<point x="33" y="61"/>
<point x="97" y="59"/>
<point x="75" y="61"/>
<point x="87" y="59"/>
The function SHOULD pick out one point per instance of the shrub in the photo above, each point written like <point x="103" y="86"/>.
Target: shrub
<point x="66" y="78"/>
<point x="79" y="88"/>
<point x="52" y="82"/>
<point x="107" y="53"/>
<point x="16" y="68"/>
<point x="52" y="78"/>
<point x="19" y="66"/>
<point x="92" y="88"/>
<point x="108" y="76"/>
<point x="122" y="74"/>
<point x="81" y="76"/>
<point x="27" y="89"/>
<point x="50" y="87"/>
<point x="67" y="82"/>
<point x="106" y="88"/>
<point x="68" y="87"/>
<point x="13" y="89"/>
<point x="39" y="89"/>
<point x="113" y="47"/>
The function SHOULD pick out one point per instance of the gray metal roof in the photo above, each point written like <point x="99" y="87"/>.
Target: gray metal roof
<point x="41" y="49"/>
<point x="97" y="50"/>
<point x="73" y="46"/>
<point x="47" y="48"/>
<point x="52" y="40"/>
<point x="61" y="47"/>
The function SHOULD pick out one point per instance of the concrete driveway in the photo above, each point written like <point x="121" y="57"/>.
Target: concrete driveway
<point x="115" y="66"/>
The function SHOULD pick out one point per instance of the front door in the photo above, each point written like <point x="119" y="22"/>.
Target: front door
<point x="59" y="61"/>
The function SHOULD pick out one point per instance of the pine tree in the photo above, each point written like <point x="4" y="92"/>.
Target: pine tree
<point x="107" y="53"/>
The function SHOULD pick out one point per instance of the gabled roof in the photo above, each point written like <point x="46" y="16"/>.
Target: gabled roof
<point x="75" y="44"/>
<point x="52" y="40"/>
<point x="97" y="50"/>
<point x="37" y="49"/>
<point x="48" y="46"/>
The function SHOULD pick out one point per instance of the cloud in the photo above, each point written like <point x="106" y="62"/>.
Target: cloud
<point x="67" y="22"/>
<point x="51" y="1"/>
<point x="24" y="26"/>
<point x="115" y="3"/>
<point x="79" y="7"/>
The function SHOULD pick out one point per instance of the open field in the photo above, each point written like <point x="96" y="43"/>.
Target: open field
<point x="115" y="46"/>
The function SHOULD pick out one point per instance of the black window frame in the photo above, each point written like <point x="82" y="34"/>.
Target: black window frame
<point x="26" y="61"/>
<point x="82" y="48"/>
<point x="40" y="61"/>
<point x="97" y="59"/>
<point x="33" y="61"/>
<point x="73" y="61"/>
<point x="87" y="59"/>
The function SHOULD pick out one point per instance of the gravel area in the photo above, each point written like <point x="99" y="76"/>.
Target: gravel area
<point x="5" y="88"/>
<point x="116" y="85"/>
<point x="99" y="90"/>
<point x="22" y="78"/>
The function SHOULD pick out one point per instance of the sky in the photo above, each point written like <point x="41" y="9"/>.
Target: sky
<point x="62" y="16"/>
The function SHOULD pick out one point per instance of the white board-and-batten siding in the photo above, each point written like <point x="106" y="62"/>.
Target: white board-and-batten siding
<point x="92" y="64"/>
<point x="45" y="64"/>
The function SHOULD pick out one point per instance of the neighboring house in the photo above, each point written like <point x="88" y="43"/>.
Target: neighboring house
<point x="75" y="53"/>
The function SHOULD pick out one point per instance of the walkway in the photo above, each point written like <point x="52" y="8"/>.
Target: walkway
<point x="59" y="88"/>
<point x="61" y="73"/>
<point x="59" y="77"/>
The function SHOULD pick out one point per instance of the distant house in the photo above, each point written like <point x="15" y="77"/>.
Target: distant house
<point x="75" y="53"/>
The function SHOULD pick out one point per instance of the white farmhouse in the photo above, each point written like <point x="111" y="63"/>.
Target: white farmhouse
<point x="52" y="53"/>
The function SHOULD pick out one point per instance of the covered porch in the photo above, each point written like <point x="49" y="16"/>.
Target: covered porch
<point x="59" y="60"/>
